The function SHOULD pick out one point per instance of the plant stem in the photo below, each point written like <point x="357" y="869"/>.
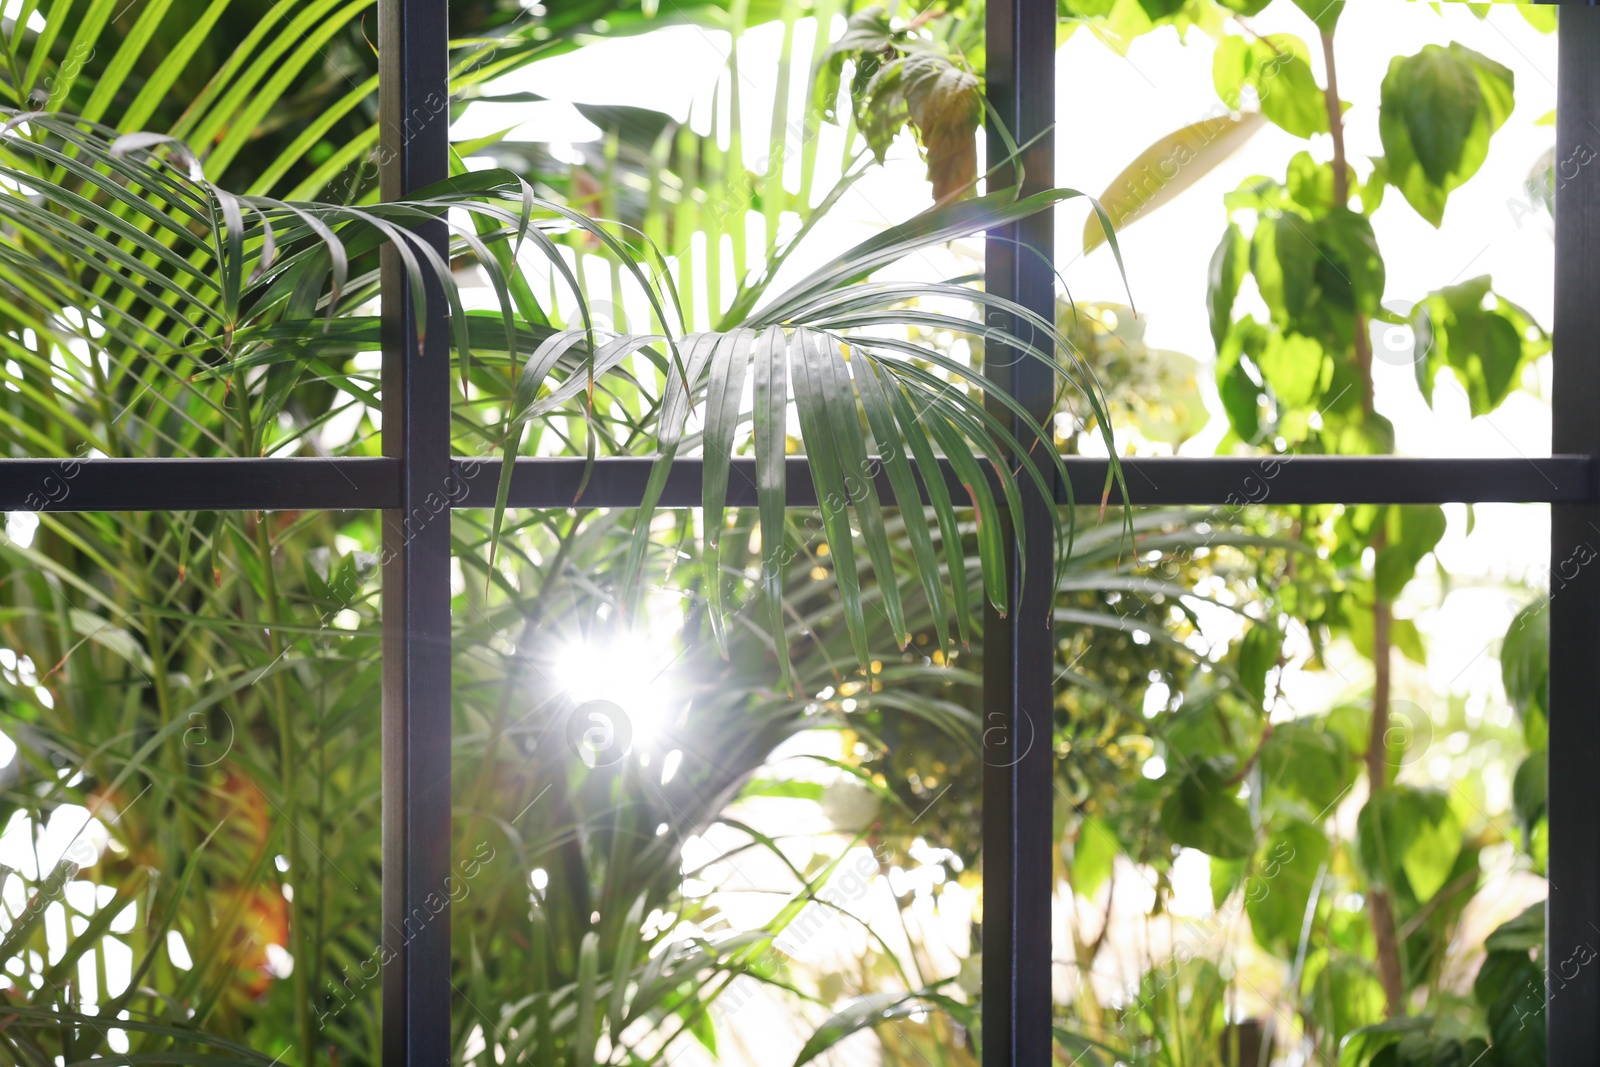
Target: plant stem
<point x="1383" y="924"/>
<point x="1390" y="973"/>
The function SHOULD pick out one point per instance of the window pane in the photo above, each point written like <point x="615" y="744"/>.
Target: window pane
<point x="1286" y="805"/>
<point x="744" y="860"/>
<point x="189" y="777"/>
<point x="1145" y="122"/>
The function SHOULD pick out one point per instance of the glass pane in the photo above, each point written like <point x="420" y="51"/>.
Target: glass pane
<point x="1452" y="240"/>
<point x="740" y="859"/>
<point x="189" y="774"/>
<point x="1291" y="811"/>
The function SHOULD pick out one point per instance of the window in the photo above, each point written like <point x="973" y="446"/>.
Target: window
<point x="417" y="482"/>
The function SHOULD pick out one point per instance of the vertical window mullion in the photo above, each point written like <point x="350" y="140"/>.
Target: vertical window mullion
<point x="1573" y="917"/>
<point x="414" y="152"/>
<point x="1018" y="650"/>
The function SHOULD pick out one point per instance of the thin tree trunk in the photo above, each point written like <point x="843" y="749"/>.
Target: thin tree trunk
<point x="1381" y="910"/>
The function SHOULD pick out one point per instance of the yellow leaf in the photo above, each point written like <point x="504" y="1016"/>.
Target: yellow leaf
<point x="1168" y="167"/>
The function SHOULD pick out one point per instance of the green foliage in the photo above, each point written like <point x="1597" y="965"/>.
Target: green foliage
<point x="1260" y="650"/>
<point x="1511" y="987"/>
<point x="1409" y="840"/>
<point x="1410" y="1042"/>
<point x="1277" y="67"/>
<point x="1203" y="811"/>
<point x="1412" y="531"/>
<point x="1438" y="111"/>
<point x="1093" y="853"/>
<point x="165" y="314"/>
<point x="1483" y="338"/>
<point x="1287" y="873"/>
<point x="1304" y="761"/>
<point x="178" y="632"/>
<point x="1525" y="672"/>
<point x="1226" y="273"/>
<point x="904" y="78"/>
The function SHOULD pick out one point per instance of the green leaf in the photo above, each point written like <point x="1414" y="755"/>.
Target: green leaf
<point x="1223" y="278"/>
<point x="1310" y="184"/>
<point x="1306" y="761"/>
<point x="1167" y="168"/>
<point x="867" y="35"/>
<point x="628" y="947"/>
<point x="1408" y="639"/>
<point x="771" y="398"/>
<point x="1439" y="101"/>
<point x="585" y="1032"/>
<point x="1417" y="527"/>
<point x="1204" y="812"/>
<point x="1290" y="96"/>
<point x="1409" y="837"/>
<point x="1259" y="652"/>
<point x="1284" y="259"/>
<point x="1277" y="67"/>
<point x="1351" y="262"/>
<point x="1360" y="1047"/>
<point x="729" y="366"/>
<point x="944" y="512"/>
<point x="1530" y="789"/>
<point x="1281" y="883"/>
<point x="1523" y="934"/>
<point x="811" y="369"/>
<point x="1241" y="392"/>
<point x="857" y="472"/>
<point x="1438" y="109"/>
<point x="1517" y="1023"/>
<point x="860" y="1014"/>
<point x="1483" y="339"/>
<point x="1413" y="531"/>
<point x="1232" y="68"/>
<point x="1325" y="13"/>
<point x="1541" y="17"/>
<point x="1292" y="365"/>
<point x="1225" y="878"/>
<point x="1511" y="986"/>
<point x="1525" y="658"/>
<point x="1085" y="1051"/>
<point x="887" y="447"/>
<point x="1093" y="853"/>
<point x="944" y="222"/>
<point x="697" y="350"/>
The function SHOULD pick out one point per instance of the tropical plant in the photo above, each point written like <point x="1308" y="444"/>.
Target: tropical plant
<point x="211" y="688"/>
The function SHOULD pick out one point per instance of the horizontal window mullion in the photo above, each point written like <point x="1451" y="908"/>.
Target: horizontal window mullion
<point x="1164" y="481"/>
<point x="370" y="483"/>
<point x="227" y="484"/>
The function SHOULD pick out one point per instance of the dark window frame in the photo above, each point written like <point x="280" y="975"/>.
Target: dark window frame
<point x="1017" y="668"/>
